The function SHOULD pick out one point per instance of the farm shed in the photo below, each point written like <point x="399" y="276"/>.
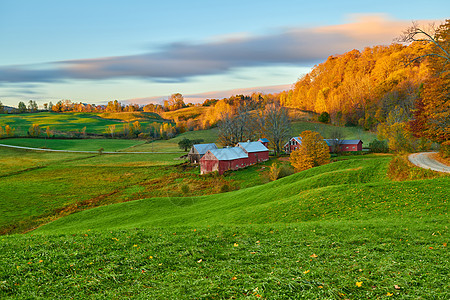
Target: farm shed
<point x="256" y="151"/>
<point x="292" y="144"/>
<point x="221" y="160"/>
<point x="345" y="145"/>
<point x="264" y="141"/>
<point x="198" y="150"/>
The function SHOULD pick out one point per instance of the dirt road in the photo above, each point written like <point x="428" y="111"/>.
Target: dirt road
<point x="424" y="160"/>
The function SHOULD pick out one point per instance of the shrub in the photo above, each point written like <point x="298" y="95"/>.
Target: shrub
<point x="401" y="169"/>
<point x="445" y="149"/>
<point x="224" y="188"/>
<point x="377" y="146"/>
<point x="324" y="117"/>
<point x="185" y="189"/>
<point x="277" y="172"/>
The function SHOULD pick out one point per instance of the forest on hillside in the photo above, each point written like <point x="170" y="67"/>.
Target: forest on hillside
<point x="384" y="85"/>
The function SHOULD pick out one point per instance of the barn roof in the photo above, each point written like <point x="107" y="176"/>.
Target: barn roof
<point x="253" y="146"/>
<point x="298" y="139"/>
<point x="203" y="148"/>
<point x="263" y="140"/>
<point x="343" y="142"/>
<point x="231" y="153"/>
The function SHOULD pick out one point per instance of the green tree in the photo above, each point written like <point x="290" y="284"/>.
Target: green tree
<point x="312" y="152"/>
<point x="2" y="108"/>
<point x="22" y="107"/>
<point x="185" y="144"/>
<point x="32" y="106"/>
<point x="324" y="117"/>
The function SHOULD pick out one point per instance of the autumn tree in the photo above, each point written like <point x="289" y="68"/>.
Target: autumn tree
<point x="432" y="112"/>
<point x="111" y="130"/>
<point x="275" y="126"/>
<point x="237" y="128"/>
<point x="175" y="101"/>
<point x="312" y="152"/>
<point x="9" y="130"/>
<point x="136" y="128"/>
<point x="34" y="130"/>
<point x="32" y="106"/>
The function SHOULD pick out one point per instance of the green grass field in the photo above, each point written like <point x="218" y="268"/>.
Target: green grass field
<point x="95" y="123"/>
<point x="339" y="231"/>
<point x="110" y="145"/>
<point x="37" y="187"/>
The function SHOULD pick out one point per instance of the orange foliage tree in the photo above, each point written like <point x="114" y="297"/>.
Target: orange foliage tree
<point x="361" y="88"/>
<point x="312" y="152"/>
<point x="432" y="117"/>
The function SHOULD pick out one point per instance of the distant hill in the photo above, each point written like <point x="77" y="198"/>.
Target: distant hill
<point x="9" y="109"/>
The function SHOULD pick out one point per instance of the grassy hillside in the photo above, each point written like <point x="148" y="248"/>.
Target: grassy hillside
<point x="131" y="116"/>
<point x="37" y="187"/>
<point x="348" y="190"/>
<point x="187" y="113"/>
<point x="69" y="122"/>
<point x="73" y="144"/>
<point x="340" y="231"/>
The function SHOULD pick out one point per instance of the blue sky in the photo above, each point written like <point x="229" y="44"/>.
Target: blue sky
<point x="140" y="51"/>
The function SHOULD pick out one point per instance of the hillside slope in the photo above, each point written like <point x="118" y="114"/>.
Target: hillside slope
<point x="345" y="190"/>
<point x="340" y="231"/>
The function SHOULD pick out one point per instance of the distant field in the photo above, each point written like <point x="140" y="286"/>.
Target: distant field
<point x="185" y="113"/>
<point x="70" y="122"/>
<point x="131" y="116"/>
<point x="73" y="144"/>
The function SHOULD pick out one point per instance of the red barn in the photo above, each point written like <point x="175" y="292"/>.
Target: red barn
<point x="293" y="144"/>
<point x="345" y="145"/>
<point x="256" y="151"/>
<point x="221" y="160"/>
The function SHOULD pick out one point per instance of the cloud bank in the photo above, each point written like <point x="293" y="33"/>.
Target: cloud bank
<point x="179" y="62"/>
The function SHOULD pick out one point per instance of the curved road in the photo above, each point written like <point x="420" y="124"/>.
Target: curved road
<point x="79" y="151"/>
<point x="424" y="160"/>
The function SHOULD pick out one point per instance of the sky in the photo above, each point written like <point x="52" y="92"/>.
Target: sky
<point x="144" y="51"/>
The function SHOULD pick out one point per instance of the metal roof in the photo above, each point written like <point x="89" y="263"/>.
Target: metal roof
<point x="343" y="142"/>
<point x="253" y="146"/>
<point x="203" y="148"/>
<point x="229" y="153"/>
<point x="263" y="140"/>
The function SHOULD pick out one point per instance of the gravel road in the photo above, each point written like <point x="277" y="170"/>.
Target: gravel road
<point x="424" y="160"/>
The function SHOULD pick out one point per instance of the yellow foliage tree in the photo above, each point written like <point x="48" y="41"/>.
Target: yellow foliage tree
<point x="312" y="152"/>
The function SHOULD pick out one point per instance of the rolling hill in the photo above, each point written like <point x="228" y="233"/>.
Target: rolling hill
<point x="339" y="231"/>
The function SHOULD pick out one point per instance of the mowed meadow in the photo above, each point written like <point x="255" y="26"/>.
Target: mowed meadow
<point x="147" y="225"/>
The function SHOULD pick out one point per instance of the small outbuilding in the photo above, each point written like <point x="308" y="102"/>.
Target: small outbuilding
<point x="293" y="144"/>
<point x="264" y="141"/>
<point x="256" y="151"/>
<point x="198" y="150"/>
<point x="221" y="160"/>
<point x="345" y="145"/>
